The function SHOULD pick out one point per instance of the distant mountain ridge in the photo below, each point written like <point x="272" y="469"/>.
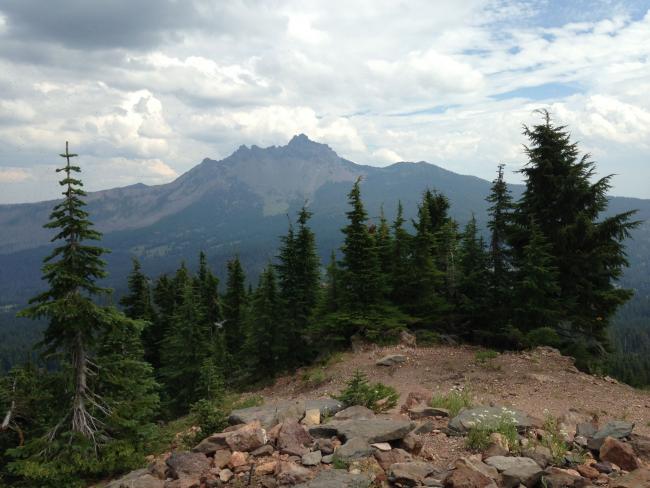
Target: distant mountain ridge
<point x="240" y="205"/>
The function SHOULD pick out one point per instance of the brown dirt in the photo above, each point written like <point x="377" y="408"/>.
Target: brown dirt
<point x="536" y="382"/>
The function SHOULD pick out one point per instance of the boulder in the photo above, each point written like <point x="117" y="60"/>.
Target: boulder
<point x="465" y="477"/>
<point x="540" y="454"/>
<point x="265" y="450"/>
<point x="337" y="478"/>
<point x="355" y="412"/>
<point x="248" y="438"/>
<point x="312" y="458"/>
<point x="187" y="463"/>
<point x="355" y="448"/>
<point x="421" y="411"/>
<point x="289" y="473"/>
<point x="516" y="470"/>
<point x="410" y="474"/>
<point x="269" y="414"/>
<point x="326" y="406"/>
<point x="391" y="360"/>
<point x="619" y="453"/>
<point x="476" y="464"/>
<point x="388" y="458"/>
<point x="641" y="446"/>
<point x="140" y="478"/>
<point x="221" y="458"/>
<point x="377" y="429"/>
<point x="618" y="429"/>
<point x="558" y="478"/>
<point x="639" y="478"/>
<point x="467" y="418"/>
<point x="212" y="444"/>
<point x="293" y="439"/>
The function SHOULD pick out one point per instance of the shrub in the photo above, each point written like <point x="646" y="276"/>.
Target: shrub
<point x="377" y="397"/>
<point x="454" y="401"/>
<point x="544" y="336"/>
<point x="427" y="337"/>
<point x="478" y="436"/>
<point x="315" y="377"/>
<point x="484" y="356"/>
<point x="209" y="416"/>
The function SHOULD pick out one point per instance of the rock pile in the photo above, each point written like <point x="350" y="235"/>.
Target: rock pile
<point x="285" y="444"/>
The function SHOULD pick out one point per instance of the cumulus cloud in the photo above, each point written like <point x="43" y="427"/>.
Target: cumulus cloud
<point x="14" y="175"/>
<point x="146" y="90"/>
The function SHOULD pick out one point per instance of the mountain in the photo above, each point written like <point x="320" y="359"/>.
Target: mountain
<point x="240" y="205"/>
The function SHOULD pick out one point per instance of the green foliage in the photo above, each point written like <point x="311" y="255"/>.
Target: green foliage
<point x="209" y="416"/>
<point x="484" y="356"/>
<point x="454" y="401"/>
<point x="554" y="439"/>
<point x="478" y="436"/>
<point x="315" y="377"/>
<point x="543" y="336"/>
<point x="339" y="463"/>
<point x="427" y="337"/>
<point x="377" y="397"/>
<point x="234" y="306"/>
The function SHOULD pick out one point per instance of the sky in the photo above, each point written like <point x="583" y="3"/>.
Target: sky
<point x="145" y="89"/>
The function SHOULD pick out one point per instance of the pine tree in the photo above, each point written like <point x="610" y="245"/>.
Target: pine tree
<point x="332" y="296"/>
<point x="361" y="272"/>
<point x="299" y="276"/>
<point x="437" y="206"/>
<point x="473" y="276"/>
<point x="587" y="248"/>
<point x="207" y="287"/>
<point x="234" y="306"/>
<point x="266" y="347"/>
<point x="384" y="245"/>
<point x="138" y="305"/>
<point x="446" y="250"/>
<point x="164" y="297"/>
<point x="537" y="303"/>
<point x="399" y="271"/>
<point x="186" y="344"/>
<point x="75" y="321"/>
<point x="500" y="256"/>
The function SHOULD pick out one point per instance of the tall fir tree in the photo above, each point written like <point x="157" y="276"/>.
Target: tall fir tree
<point x="567" y="205"/>
<point x="400" y="260"/>
<point x="234" y="306"/>
<point x="207" y="286"/>
<point x="362" y="278"/>
<point x="266" y="348"/>
<point x="332" y="295"/>
<point x="75" y="321"/>
<point x="500" y="255"/>
<point x="384" y="245"/>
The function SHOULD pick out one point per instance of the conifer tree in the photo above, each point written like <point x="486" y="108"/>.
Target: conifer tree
<point x="500" y="258"/>
<point x="561" y="198"/>
<point x="332" y="296"/>
<point x="75" y="321"/>
<point x="399" y="276"/>
<point x="473" y="276"/>
<point x="437" y="206"/>
<point x="207" y="286"/>
<point x="537" y="302"/>
<point x="234" y="306"/>
<point x="266" y="347"/>
<point x="186" y="344"/>
<point x="164" y="297"/>
<point x="362" y="278"/>
<point x="446" y="250"/>
<point x="384" y="245"/>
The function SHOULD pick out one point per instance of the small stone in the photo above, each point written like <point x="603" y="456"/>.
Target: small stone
<point x="325" y="446"/>
<point x="265" y="450"/>
<point x="327" y="459"/>
<point x="266" y="468"/>
<point x="221" y="458"/>
<point x="226" y="475"/>
<point x="355" y="412"/>
<point x="387" y="458"/>
<point x="382" y="446"/>
<point x="355" y="448"/>
<point x="312" y="458"/>
<point x="639" y="478"/>
<point x="412" y="443"/>
<point x="587" y="471"/>
<point x="290" y="473"/>
<point x="312" y="417"/>
<point x="237" y="459"/>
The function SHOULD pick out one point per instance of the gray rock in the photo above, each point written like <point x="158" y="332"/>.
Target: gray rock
<point x="516" y="470"/>
<point x="391" y="360"/>
<point x="424" y="428"/>
<point x="325" y="446"/>
<point x="326" y="406"/>
<point x="618" y="429"/>
<point x="421" y="411"/>
<point x="355" y="448"/>
<point x="266" y="450"/>
<point x="337" y="478"/>
<point x="327" y="459"/>
<point x="378" y="429"/>
<point x="410" y="474"/>
<point x="312" y="458"/>
<point x="540" y="454"/>
<point x="140" y="478"/>
<point x="187" y="463"/>
<point x="269" y="414"/>
<point x="585" y="429"/>
<point x="355" y="412"/>
<point x="462" y="422"/>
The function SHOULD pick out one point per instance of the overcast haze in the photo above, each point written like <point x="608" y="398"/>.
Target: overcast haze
<point x="145" y="89"/>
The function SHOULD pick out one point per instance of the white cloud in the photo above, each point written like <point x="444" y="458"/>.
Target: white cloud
<point x="14" y="175"/>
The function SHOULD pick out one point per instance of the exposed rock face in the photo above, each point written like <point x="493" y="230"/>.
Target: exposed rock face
<point x="376" y="429"/>
<point x="621" y="454"/>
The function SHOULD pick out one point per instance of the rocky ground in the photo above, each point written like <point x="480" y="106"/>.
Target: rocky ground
<point x="301" y="437"/>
